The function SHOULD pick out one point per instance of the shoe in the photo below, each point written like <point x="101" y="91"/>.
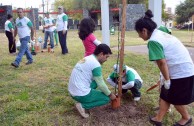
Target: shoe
<point x="52" y="50"/>
<point x="136" y="98"/>
<point x="188" y="123"/>
<point x="81" y="110"/>
<point x="15" y="65"/>
<point x="155" y="123"/>
<point x="44" y="50"/>
<point x="29" y="62"/>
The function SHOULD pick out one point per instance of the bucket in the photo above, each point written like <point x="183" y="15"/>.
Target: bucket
<point x="116" y="103"/>
<point x="49" y="49"/>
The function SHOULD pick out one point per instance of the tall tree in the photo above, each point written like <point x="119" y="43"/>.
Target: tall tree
<point x="184" y="11"/>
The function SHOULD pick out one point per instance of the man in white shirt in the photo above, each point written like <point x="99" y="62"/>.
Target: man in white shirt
<point x="23" y="27"/>
<point x="61" y="24"/>
<point x="86" y="77"/>
<point x="48" y="24"/>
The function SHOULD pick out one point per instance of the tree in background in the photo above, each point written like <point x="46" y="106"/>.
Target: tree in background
<point x="92" y="5"/>
<point x="69" y="5"/>
<point x="165" y="15"/>
<point x="184" y="11"/>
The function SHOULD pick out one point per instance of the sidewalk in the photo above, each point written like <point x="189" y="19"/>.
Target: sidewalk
<point x="142" y="49"/>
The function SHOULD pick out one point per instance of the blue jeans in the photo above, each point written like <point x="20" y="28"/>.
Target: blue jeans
<point x="24" y="50"/>
<point x="50" y="34"/>
<point x="62" y="40"/>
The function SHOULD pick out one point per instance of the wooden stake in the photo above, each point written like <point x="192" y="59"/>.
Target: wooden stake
<point x="34" y="23"/>
<point x="123" y="27"/>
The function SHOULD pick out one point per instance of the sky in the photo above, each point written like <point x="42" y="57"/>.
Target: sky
<point x="24" y="3"/>
<point x="173" y="4"/>
<point x="37" y="3"/>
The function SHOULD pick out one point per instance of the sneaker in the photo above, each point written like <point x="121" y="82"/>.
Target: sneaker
<point x="52" y="50"/>
<point x="29" y="62"/>
<point x="81" y="110"/>
<point x="15" y="65"/>
<point x="44" y="50"/>
<point x="136" y="98"/>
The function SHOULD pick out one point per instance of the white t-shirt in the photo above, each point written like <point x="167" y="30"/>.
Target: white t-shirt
<point x="48" y="21"/>
<point x="82" y="77"/>
<point x="8" y="25"/>
<point x="62" y="22"/>
<point x="23" y="27"/>
<point x="162" y="45"/>
<point x="135" y="73"/>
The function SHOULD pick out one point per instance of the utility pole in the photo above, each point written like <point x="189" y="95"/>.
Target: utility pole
<point x="105" y="22"/>
<point x="47" y="5"/>
<point x="43" y="5"/>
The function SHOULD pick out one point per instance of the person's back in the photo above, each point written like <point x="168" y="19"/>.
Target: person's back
<point x="137" y="76"/>
<point x="174" y="50"/>
<point x="81" y="76"/>
<point x="89" y="45"/>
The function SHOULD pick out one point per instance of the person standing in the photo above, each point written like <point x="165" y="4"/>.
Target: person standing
<point x="86" y="29"/>
<point x="23" y="28"/>
<point x="61" y="24"/>
<point x="86" y="84"/>
<point x="48" y="24"/>
<point x="176" y="66"/>
<point x="9" y="31"/>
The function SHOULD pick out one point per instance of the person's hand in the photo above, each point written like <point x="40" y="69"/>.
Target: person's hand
<point x="167" y="84"/>
<point x="46" y="27"/>
<point x="64" y="31"/>
<point x="112" y="96"/>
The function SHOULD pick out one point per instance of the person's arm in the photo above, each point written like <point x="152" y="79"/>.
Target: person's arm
<point x="15" y="32"/>
<point x="110" y="80"/>
<point x="96" y="42"/>
<point x="156" y="53"/>
<point x="32" y="30"/>
<point x="97" y="76"/>
<point x="10" y="26"/>
<point x="162" y="65"/>
<point x="32" y="33"/>
<point x="54" y="23"/>
<point x="128" y="85"/>
<point x="65" y="21"/>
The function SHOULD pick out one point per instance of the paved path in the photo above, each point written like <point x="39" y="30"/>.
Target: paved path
<point x="142" y="49"/>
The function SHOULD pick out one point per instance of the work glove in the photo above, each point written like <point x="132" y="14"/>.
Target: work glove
<point x="164" y="82"/>
<point x="167" y="84"/>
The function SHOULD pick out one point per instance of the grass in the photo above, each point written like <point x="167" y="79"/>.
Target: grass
<point x="37" y="94"/>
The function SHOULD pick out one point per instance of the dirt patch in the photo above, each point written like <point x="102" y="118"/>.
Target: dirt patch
<point x="129" y="114"/>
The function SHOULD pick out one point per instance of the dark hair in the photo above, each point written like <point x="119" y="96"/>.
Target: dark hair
<point x="20" y="8"/>
<point x="102" y="48"/>
<point x="9" y="16"/>
<point x="146" y="22"/>
<point x="86" y="27"/>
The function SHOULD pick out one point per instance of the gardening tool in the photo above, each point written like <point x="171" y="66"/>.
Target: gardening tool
<point x="154" y="86"/>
